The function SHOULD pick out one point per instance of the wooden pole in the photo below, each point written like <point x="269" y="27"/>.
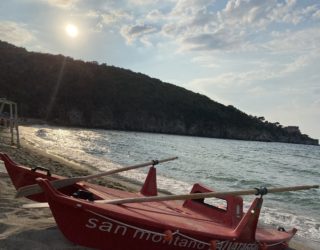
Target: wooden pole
<point x="16" y="124"/>
<point x="11" y="123"/>
<point x="202" y="195"/>
<point x="185" y="196"/>
<point x="36" y="189"/>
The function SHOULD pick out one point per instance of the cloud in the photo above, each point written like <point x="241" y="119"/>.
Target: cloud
<point x="229" y="80"/>
<point x="191" y="7"/>
<point x="233" y="27"/>
<point x="219" y="40"/>
<point x="241" y="13"/>
<point x="316" y="15"/>
<point x="206" y="61"/>
<point x="263" y="13"/>
<point x="133" y="32"/>
<point x="196" y="25"/>
<point x="295" y="50"/>
<point x="298" y="64"/>
<point x="16" y="33"/>
<point x="239" y="26"/>
<point x="143" y="2"/>
<point x="267" y="40"/>
<point x="253" y="76"/>
<point x="295" y="41"/>
<point x="116" y="16"/>
<point x="264" y="79"/>
<point x="61" y="3"/>
<point x="155" y="15"/>
<point x="113" y="18"/>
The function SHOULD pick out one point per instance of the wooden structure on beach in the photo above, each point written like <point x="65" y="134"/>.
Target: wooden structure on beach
<point x="9" y="119"/>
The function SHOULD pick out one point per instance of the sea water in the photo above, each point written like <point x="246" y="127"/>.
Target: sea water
<point x="223" y="165"/>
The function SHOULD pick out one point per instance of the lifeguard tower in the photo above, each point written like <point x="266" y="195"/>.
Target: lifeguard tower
<point x="9" y="119"/>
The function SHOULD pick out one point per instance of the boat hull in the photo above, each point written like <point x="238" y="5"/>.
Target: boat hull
<point x="160" y="225"/>
<point x="23" y="176"/>
<point x="107" y="226"/>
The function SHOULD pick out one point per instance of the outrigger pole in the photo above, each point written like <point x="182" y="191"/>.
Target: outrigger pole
<point x="255" y="191"/>
<point x="36" y="189"/>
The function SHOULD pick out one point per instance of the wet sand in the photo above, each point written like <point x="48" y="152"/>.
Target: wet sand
<point x="35" y="228"/>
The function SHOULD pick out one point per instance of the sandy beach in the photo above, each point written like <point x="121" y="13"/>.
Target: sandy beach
<point x="27" y="228"/>
<point x="35" y="228"/>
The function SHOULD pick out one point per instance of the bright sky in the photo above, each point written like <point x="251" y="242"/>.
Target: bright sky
<point x="262" y="57"/>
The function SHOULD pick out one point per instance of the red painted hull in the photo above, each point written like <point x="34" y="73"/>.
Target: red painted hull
<point x="156" y="225"/>
<point x="169" y="225"/>
<point x="23" y="176"/>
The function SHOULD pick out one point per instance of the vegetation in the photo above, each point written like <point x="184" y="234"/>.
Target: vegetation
<point x="71" y="92"/>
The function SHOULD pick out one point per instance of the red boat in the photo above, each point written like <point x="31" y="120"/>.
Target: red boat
<point x="22" y="176"/>
<point x="165" y="225"/>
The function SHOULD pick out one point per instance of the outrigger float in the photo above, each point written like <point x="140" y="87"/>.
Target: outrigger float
<point x="106" y="218"/>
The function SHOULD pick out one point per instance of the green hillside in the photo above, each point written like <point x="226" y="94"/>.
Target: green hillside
<point x="70" y="92"/>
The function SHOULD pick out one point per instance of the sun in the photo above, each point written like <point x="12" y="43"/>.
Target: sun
<point x="71" y="30"/>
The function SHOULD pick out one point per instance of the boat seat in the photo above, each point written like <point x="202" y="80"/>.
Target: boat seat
<point x="230" y="216"/>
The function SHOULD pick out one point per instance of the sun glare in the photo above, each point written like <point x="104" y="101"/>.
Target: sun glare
<point x="72" y="30"/>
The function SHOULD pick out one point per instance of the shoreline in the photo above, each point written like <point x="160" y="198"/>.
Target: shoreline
<point x="22" y="228"/>
<point x="35" y="228"/>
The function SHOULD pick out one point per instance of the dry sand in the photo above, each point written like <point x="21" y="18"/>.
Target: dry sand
<point x="26" y="228"/>
<point x="35" y="228"/>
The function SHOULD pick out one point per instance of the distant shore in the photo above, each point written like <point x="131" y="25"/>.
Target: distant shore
<point x="262" y="137"/>
<point x="35" y="228"/>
